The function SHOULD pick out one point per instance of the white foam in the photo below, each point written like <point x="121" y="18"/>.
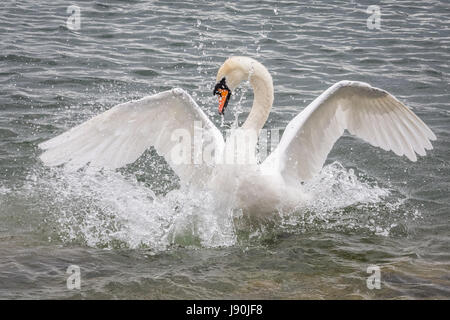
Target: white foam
<point x="110" y="209"/>
<point x="4" y="190"/>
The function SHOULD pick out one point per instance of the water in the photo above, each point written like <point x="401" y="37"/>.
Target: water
<point x="135" y="234"/>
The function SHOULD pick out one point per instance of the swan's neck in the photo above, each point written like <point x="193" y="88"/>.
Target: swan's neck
<point x="262" y="85"/>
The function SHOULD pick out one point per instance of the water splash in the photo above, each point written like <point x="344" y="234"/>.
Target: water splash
<point x="109" y="209"/>
<point x="341" y="200"/>
<point x="114" y="210"/>
<point x="4" y="190"/>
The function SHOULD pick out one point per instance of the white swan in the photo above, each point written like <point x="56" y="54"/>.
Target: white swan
<point x="120" y="135"/>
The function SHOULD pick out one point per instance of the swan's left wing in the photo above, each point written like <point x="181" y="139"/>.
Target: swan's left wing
<point x="120" y="135"/>
<point x="370" y="113"/>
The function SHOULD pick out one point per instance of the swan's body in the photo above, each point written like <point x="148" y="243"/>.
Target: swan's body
<point x="120" y="135"/>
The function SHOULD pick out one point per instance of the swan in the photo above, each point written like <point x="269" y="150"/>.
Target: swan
<point x="120" y="135"/>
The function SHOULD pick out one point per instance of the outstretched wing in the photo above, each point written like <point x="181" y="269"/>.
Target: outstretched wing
<point x="370" y="113"/>
<point x="120" y="135"/>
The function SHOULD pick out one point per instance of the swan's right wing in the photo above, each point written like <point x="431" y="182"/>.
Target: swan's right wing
<point x="120" y="135"/>
<point x="370" y="113"/>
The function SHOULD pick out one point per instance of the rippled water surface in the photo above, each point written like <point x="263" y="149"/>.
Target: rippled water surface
<point x="135" y="234"/>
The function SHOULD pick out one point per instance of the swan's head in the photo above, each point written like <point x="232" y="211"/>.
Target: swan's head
<point x="230" y="75"/>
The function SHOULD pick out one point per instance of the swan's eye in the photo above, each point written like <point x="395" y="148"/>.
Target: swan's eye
<point x="224" y="93"/>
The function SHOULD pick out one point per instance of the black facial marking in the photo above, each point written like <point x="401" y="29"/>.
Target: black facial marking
<point x="221" y="85"/>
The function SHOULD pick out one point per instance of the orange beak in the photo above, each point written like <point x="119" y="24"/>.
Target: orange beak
<point x="224" y="93"/>
<point x="223" y="99"/>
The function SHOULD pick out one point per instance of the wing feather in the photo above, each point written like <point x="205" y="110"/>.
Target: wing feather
<point x="370" y="113"/>
<point x="120" y="135"/>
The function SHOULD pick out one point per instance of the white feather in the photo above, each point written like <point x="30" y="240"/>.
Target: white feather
<point x="120" y="135"/>
<point x="370" y="113"/>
